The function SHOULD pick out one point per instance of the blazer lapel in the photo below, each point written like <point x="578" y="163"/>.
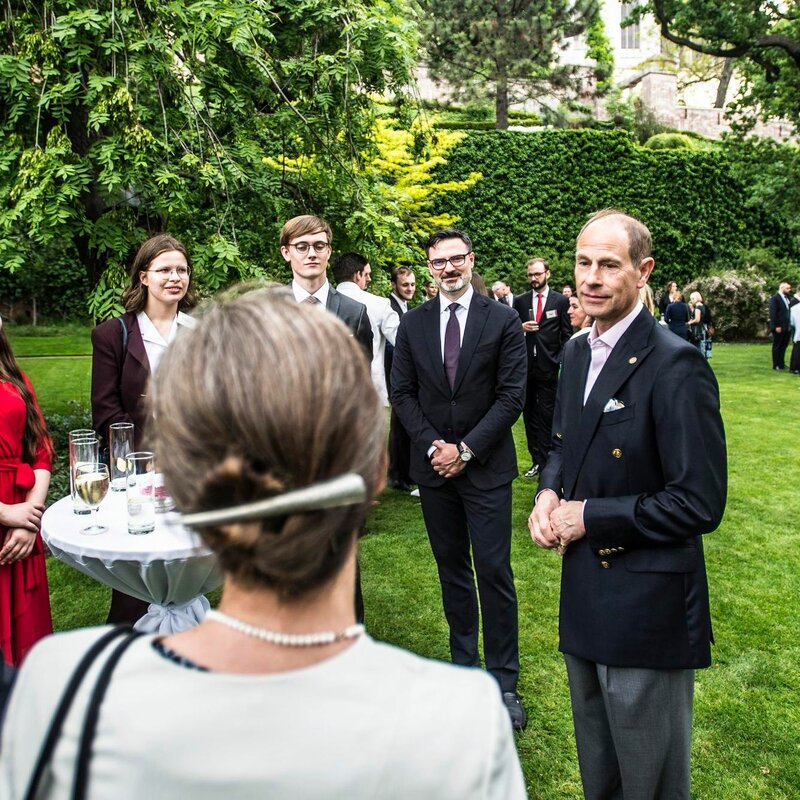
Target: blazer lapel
<point x="624" y="360"/>
<point x="476" y="320"/>
<point x="333" y="301"/>
<point x="432" y="336"/>
<point x="136" y="349"/>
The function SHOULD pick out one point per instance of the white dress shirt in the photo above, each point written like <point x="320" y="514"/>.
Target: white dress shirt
<point x="462" y="312"/>
<point x="384" y="321"/>
<point x="321" y="294"/>
<point x="402" y="303"/>
<point x="602" y="345"/>
<point x="154" y="343"/>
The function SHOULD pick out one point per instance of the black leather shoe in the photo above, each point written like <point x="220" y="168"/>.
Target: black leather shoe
<point x="517" y="712"/>
<point x="401" y="486"/>
<point x="533" y="471"/>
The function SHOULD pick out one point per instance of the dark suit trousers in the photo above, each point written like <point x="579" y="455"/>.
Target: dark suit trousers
<point x="399" y="451"/>
<point x="780" y="341"/>
<point x="458" y="515"/>
<point x="794" y="361"/>
<point x="633" y="729"/>
<point x="540" y="402"/>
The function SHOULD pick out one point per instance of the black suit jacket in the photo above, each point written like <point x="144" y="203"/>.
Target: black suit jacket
<point x="487" y="398"/>
<point x="654" y="475"/>
<point x="354" y="315"/>
<point x="778" y="313"/>
<point x="120" y="377"/>
<point x="388" y="355"/>
<point x="544" y="347"/>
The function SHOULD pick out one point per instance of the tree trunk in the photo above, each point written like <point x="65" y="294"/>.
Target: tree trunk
<point x="724" y="83"/>
<point x="501" y="100"/>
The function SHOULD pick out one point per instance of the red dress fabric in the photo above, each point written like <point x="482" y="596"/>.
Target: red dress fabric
<point x="24" y="598"/>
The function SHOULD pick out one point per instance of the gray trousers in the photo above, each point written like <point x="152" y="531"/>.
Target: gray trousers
<point x="633" y="728"/>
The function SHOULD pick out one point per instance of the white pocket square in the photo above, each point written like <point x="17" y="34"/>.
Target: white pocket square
<point x="613" y="405"/>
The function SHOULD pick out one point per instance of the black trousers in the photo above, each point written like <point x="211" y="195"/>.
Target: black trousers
<point x="780" y="341"/>
<point x="540" y="403"/>
<point x="399" y="452"/>
<point x="458" y="516"/>
<point x="125" y="610"/>
<point x="794" y="361"/>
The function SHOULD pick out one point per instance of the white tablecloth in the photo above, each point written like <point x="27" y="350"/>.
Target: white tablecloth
<point x="169" y="567"/>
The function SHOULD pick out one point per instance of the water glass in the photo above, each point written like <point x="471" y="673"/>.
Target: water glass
<point x="120" y="443"/>
<point x="83" y="449"/>
<point x="91" y="484"/>
<point x="140" y="486"/>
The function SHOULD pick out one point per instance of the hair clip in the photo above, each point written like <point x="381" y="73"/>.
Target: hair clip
<point x="342" y="491"/>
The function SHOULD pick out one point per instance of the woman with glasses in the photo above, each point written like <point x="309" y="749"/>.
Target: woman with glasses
<point x="278" y="693"/>
<point x="127" y="350"/>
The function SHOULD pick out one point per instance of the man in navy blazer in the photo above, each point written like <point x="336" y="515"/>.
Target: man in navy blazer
<point x="636" y="474"/>
<point x="545" y="321"/>
<point x="458" y="386"/>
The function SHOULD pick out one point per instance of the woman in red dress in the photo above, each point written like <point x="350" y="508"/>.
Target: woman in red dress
<point x="26" y="457"/>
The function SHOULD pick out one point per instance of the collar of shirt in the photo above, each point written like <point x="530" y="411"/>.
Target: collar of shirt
<point x="321" y="294"/>
<point x="402" y="303"/>
<point x="543" y="293"/>
<point x="150" y="332"/>
<point x="463" y="301"/>
<point x="617" y="330"/>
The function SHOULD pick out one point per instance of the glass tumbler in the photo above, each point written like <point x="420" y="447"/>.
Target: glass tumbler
<point x="140" y="486"/>
<point x="120" y="443"/>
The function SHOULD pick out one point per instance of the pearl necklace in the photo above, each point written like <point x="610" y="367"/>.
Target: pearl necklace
<point x="286" y="639"/>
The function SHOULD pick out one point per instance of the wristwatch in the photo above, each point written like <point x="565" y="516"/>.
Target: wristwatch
<point x="464" y="453"/>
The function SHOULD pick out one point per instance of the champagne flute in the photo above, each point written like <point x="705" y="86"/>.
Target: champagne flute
<point x="91" y="484"/>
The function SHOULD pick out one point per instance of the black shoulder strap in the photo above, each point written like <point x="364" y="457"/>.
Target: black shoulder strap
<point x="57" y="723"/>
<point x="124" y="335"/>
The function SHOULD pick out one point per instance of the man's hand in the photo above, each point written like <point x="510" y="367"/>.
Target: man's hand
<point x="539" y="520"/>
<point x="18" y="544"/>
<point x="567" y="522"/>
<point x="779" y="329"/>
<point x="446" y="460"/>
<point x="22" y="515"/>
<point x="530" y="326"/>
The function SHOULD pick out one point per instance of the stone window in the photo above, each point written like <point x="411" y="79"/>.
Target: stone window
<point x="629" y="35"/>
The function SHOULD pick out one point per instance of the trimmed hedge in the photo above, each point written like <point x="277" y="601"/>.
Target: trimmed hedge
<point x="538" y="188"/>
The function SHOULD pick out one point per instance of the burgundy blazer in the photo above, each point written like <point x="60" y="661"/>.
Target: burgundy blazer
<point x="119" y="377"/>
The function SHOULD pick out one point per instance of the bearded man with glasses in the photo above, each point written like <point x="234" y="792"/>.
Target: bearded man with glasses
<point x="458" y="386"/>
<point x="306" y="245"/>
<point x="545" y="321"/>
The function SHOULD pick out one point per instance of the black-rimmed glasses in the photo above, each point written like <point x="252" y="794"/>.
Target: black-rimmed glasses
<point x="441" y="263"/>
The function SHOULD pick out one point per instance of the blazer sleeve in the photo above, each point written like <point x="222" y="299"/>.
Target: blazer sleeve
<point x="691" y="450"/>
<point x="512" y="378"/>
<point x="565" y="328"/>
<point x="107" y="361"/>
<point x="774" y="312"/>
<point x="364" y="332"/>
<point x="405" y="391"/>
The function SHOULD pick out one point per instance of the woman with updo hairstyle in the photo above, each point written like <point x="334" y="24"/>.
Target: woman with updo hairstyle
<point x="278" y="693"/>
<point x="127" y="351"/>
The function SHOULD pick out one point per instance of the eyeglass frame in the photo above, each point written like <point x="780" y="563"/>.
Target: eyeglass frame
<point x="166" y="272"/>
<point x="310" y="246"/>
<point x="449" y="261"/>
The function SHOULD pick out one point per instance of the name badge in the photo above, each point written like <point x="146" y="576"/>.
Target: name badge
<point x="551" y="314"/>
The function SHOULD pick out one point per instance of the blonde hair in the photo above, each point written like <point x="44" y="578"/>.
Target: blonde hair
<point x="646" y="296"/>
<point x="258" y="399"/>
<point x="695" y="297"/>
<point x="302" y="226"/>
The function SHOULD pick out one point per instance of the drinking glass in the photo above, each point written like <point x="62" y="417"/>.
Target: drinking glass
<point x="120" y="443"/>
<point x="83" y="449"/>
<point x="140" y="483"/>
<point x="91" y="483"/>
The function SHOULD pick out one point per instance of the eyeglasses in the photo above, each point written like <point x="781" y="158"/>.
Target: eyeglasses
<point x="536" y="274"/>
<point x="303" y="247"/>
<point x="166" y="272"/>
<point x="456" y="261"/>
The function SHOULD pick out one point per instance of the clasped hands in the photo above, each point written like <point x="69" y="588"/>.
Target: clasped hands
<point x="446" y="459"/>
<point x="23" y="521"/>
<point x="555" y="523"/>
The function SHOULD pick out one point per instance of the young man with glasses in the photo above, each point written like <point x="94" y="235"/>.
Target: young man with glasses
<point x="306" y="246"/>
<point x="458" y="386"/>
<point x="547" y="328"/>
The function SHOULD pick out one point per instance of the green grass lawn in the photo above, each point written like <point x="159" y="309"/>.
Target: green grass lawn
<point x="747" y="708"/>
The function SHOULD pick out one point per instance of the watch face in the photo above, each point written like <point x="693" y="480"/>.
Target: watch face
<point x="465" y="455"/>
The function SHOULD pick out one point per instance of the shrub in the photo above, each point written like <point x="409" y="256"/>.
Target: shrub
<point x="59" y="425"/>
<point x="737" y="301"/>
<point x="670" y="141"/>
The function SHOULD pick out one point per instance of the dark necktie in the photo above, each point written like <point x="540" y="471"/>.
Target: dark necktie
<point x="452" y="345"/>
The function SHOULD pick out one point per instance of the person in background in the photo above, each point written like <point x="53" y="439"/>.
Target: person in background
<point x="404" y="284"/>
<point x="280" y="668"/>
<point x="479" y="285"/>
<point x="567" y="290"/>
<point x="431" y="289"/>
<point x="794" y="359"/>
<point x="581" y="322"/>
<point x="697" y="322"/>
<point x="502" y="293"/>
<point x="677" y="316"/>
<point x="127" y="350"/>
<point x="779" y="321"/>
<point x="648" y="301"/>
<point x="666" y="297"/>
<point x="26" y="458"/>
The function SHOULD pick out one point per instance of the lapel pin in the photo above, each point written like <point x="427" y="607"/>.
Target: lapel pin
<point x="632" y="360"/>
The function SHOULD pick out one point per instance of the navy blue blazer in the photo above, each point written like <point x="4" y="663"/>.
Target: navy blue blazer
<point x="487" y="398"/>
<point x="654" y="475"/>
